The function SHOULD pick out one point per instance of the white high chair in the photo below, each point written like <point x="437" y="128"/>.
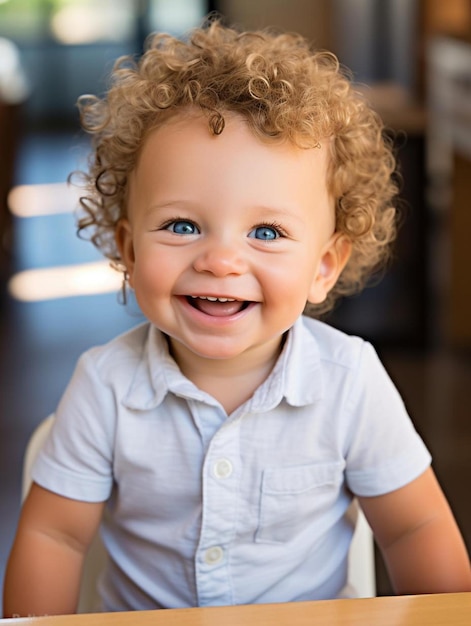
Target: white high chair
<point x="361" y="566"/>
<point x="89" y="600"/>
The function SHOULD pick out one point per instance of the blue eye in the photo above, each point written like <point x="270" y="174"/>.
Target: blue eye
<point x="265" y="233"/>
<point x="182" y="227"/>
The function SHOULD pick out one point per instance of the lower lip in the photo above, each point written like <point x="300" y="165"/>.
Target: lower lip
<point x="214" y="320"/>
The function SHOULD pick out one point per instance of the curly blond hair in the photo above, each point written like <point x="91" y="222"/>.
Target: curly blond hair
<point x="285" y="91"/>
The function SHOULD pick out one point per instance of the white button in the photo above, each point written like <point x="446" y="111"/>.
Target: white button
<point x="223" y="468"/>
<point x="214" y="555"/>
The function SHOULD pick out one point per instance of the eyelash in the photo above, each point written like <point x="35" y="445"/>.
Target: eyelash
<point x="274" y="224"/>
<point x="175" y="220"/>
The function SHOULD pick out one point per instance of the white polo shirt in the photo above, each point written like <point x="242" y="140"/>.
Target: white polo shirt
<point x="209" y="509"/>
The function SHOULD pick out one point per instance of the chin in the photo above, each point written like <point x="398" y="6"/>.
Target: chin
<point x="214" y="349"/>
<point x="217" y="354"/>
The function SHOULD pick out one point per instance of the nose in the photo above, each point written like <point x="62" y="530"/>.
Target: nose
<point x="220" y="259"/>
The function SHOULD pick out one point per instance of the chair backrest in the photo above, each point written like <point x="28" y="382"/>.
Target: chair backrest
<point x="361" y="558"/>
<point x="89" y="601"/>
<point x="361" y="565"/>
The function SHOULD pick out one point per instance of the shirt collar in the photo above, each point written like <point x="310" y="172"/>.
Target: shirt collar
<point x="156" y="375"/>
<point x="296" y="377"/>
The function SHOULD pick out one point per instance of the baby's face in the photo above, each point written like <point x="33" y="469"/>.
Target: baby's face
<point x="227" y="237"/>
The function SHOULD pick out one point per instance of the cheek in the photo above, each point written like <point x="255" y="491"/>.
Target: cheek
<point x="154" y="272"/>
<point x="144" y="273"/>
<point x="288" y="282"/>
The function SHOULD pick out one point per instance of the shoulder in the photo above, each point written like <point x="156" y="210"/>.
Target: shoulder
<point x="347" y="359"/>
<point x="323" y="362"/>
<point x="109" y="369"/>
<point x="123" y="353"/>
<point x="334" y="346"/>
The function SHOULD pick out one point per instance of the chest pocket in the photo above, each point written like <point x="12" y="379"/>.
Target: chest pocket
<point x="296" y="498"/>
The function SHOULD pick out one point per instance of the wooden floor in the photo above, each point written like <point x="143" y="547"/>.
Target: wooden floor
<point x="40" y="343"/>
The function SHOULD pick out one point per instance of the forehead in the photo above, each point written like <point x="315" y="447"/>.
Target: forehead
<point x="183" y="158"/>
<point x="189" y="132"/>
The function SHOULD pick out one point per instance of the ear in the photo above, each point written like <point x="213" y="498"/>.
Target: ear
<point x="125" y="244"/>
<point x="334" y="258"/>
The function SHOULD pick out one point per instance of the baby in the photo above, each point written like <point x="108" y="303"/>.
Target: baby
<point x="238" y="181"/>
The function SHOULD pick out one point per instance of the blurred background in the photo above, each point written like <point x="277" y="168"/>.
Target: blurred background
<point x="57" y="295"/>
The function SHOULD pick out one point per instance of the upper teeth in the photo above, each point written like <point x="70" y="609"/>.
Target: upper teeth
<point x="212" y="299"/>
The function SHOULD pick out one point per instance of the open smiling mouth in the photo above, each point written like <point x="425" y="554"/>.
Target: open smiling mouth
<point x="220" y="307"/>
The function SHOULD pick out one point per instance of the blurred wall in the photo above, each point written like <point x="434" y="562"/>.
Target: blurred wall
<point x="375" y="39"/>
<point x="311" y="18"/>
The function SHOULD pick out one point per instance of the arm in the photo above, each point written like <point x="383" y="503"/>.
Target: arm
<point x="419" y="539"/>
<point x="45" y="565"/>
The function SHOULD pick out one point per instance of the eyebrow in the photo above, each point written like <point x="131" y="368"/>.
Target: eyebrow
<point x="166" y="204"/>
<point x="280" y="212"/>
<point x="269" y="211"/>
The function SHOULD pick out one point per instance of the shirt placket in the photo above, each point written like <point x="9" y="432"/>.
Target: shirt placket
<point x="220" y="481"/>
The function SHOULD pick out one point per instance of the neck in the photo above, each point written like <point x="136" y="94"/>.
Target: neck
<point x="230" y="381"/>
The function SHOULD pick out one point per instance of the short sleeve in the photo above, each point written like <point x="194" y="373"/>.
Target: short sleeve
<point x="77" y="458"/>
<point x="384" y="451"/>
